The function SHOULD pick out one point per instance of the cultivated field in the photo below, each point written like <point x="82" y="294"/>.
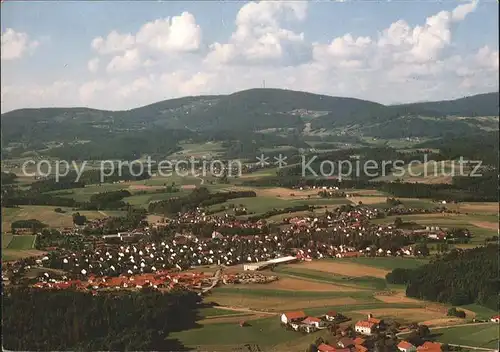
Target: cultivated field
<point x="334" y="266"/>
<point x="354" y="287"/>
<point x="18" y="246"/>
<point x="45" y="214"/>
<point x="386" y="263"/>
<point x="198" y="150"/>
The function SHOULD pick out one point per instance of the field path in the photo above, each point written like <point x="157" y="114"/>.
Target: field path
<point x="246" y="310"/>
<point x="102" y="213"/>
<point x="458" y="325"/>
<point x="446" y="327"/>
<point x="472" y="347"/>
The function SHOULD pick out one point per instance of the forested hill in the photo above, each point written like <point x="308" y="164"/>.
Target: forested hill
<point x="460" y="277"/>
<point x="476" y="105"/>
<point x="258" y="109"/>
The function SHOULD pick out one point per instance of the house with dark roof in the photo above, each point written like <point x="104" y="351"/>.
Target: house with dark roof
<point x="331" y="315"/>
<point x="346" y="342"/>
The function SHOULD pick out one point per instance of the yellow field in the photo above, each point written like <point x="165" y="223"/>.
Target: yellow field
<point x="15" y="254"/>
<point x="403" y="314"/>
<point x="276" y="303"/>
<point x="45" y="214"/>
<point x="486" y="224"/>
<point x="484" y="207"/>
<point x="346" y="269"/>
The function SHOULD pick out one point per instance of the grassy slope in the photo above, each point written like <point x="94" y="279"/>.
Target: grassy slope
<point x="388" y="263"/>
<point x="45" y="214"/>
<point x="22" y="242"/>
<point x="486" y="336"/>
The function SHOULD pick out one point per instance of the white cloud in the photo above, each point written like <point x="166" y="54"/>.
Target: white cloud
<point x="93" y="65"/>
<point x="397" y="46"/>
<point x="16" y="44"/>
<point x="153" y="42"/>
<point x="488" y="58"/>
<point x="260" y="39"/>
<point x="113" y="43"/>
<point x="459" y="13"/>
<point x="55" y="94"/>
<point x="401" y="63"/>
<point x="129" y="61"/>
<point x="176" y="34"/>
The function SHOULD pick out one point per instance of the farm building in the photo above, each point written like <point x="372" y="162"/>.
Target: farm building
<point x="495" y="319"/>
<point x="326" y="348"/>
<point x="312" y="321"/>
<point x="288" y="317"/>
<point x="330" y="316"/>
<point x="405" y="346"/>
<point x="364" y="327"/>
<point x="429" y="346"/>
<point x="263" y="265"/>
<point x="346" y="342"/>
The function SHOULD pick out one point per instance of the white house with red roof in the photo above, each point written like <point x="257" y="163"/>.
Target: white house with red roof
<point x="405" y="346"/>
<point x="287" y="318"/>
<point x="495" y="319"/>
<point x="313" y="322"/>
<point x="364" y="327"/>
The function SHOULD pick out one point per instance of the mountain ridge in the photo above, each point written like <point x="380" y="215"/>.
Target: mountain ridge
<point x="242" y="91"/>
<point x="255" y="110"/>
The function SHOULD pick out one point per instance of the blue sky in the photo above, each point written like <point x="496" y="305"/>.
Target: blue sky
<point x="47" y="46"/>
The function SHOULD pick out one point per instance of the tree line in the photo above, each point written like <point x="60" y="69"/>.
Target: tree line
<point x="199" y="197"/>
<point x="458" y="278"/>
<point x="47" y="320"/>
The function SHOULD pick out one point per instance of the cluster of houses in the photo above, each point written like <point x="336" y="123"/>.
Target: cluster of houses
<point x="299" y="321"/>
<point x="160" y="280"/>
<point x="341" y="233"/>
<point x="359" y="341"/>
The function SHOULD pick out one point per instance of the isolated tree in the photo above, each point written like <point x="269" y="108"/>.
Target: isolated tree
<point x="398" y="222"/>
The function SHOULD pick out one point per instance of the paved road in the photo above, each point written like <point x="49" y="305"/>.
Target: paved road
<point x="215" y="280"/>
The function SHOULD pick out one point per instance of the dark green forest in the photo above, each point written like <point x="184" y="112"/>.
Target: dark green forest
<point x="198" y="197"/>
<point x="158" y="128"/>
<point x="46" y="320"/>
<point x="459" y="277"/>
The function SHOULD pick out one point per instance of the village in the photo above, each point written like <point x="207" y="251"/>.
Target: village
<point x="137" y="258"/>
<point x="210" y="253"/>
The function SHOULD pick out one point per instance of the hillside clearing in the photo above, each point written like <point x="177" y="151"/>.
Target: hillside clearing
<point x="481" y="335"/>
<point x="45" y="214"/>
